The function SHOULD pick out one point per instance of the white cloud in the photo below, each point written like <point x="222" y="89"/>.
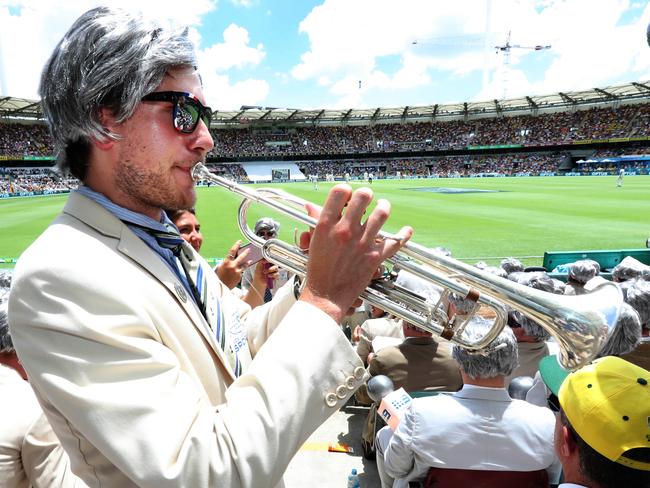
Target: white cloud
<point x="324" y="80"/>
<point x="282" y="77"/>
<point x="31" y="29"/>
<point x="591" y="53"/>
<point x="372" y="41"/>
<point x="234" y="52"/>
<point x="454" y="39"/>
<point x="368" y="31"/>
<point x="597" y="49"/>
<point x="223" y="94"/>
<point x="23" y="56"/>
<point x="242" y="3"/>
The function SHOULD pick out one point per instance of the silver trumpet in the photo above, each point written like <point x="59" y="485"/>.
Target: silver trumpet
<point x="580" y="324"/>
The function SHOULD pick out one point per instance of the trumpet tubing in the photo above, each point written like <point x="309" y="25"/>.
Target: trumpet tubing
<point x="580" y="324"/>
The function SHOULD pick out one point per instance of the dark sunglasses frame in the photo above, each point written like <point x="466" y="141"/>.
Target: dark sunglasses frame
<point x="180" y="99"/>
<point x="265" y="233"/>
<point x="553" y="403"/>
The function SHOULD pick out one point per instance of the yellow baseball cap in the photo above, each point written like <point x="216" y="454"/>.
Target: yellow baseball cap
<point x="608" y="405"/>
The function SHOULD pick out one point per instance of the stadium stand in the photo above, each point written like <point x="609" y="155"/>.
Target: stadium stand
<point x="527" y="130"/>
<point x="606" y="259"/>
<point x="576" y="133"/>
<point x="21" y="181"/>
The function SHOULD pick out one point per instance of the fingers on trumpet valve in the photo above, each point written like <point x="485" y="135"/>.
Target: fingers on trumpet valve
<point x="388" y="237"/>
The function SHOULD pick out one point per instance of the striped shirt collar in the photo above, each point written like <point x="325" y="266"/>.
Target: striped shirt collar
<point x="138" y="223"/>
<point x="124" y="214"/>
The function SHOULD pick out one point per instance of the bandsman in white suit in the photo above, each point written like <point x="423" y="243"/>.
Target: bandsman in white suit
<point x="30" y="453"/>
<point x="265" y="228"/>
<point x="151" y="373"/>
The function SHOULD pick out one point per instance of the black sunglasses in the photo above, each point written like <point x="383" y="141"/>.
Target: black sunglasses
<point x="553" y="403"/>
<point x="188" y="110"/>
<point x="265" y="233"/>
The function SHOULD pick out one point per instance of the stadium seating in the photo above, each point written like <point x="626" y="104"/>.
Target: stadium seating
<point x="525" y="130"/>
<point x="629" y="122"/>
<point x="452" y="478"/>
<point x="607" y="259"/>
<point x="522" y="145"/>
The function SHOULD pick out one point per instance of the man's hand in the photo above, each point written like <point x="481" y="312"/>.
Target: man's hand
<point x="264" y="271"/>
<point x="344" y="252"/>
<point x="356" y="334"/>
<point x="233" y="265"/>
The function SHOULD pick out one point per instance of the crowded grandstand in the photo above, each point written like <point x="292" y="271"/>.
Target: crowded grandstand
<point x="596" y="132"/>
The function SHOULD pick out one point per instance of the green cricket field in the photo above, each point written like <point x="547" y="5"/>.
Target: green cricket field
<point x="476" y="218"/>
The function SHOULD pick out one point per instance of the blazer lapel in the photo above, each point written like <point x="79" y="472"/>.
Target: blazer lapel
<point x="129" y="244"/>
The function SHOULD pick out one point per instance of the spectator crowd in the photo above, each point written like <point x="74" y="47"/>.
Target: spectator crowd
<point x="526" y="130"/>
<point x="27" y="141"/>
<point x="19" y="140"/>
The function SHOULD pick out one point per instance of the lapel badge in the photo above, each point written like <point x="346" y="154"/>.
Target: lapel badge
<point x="180" y="291"/>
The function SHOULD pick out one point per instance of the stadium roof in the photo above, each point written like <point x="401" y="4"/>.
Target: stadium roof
<point x="19" y="108"/>
<point x="623" y="93"/>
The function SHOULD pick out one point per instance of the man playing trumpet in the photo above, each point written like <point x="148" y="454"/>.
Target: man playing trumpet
<point x="136" y="354"/>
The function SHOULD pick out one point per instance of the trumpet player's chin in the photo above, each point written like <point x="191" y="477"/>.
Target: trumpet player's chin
<point x="185" y="185"/>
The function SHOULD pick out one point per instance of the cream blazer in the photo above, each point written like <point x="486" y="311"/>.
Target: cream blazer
<point x="133" y="382"/>
<point x="30" y="453"/>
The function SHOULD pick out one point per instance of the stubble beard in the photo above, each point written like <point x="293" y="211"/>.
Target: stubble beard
<point x="152" y="187"/>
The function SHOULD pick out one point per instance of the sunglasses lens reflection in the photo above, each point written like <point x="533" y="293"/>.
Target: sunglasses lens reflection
<point x="187" y="110"/>
<point x="187" y="116"/>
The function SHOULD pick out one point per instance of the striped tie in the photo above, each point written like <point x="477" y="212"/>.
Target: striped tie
<point x="195" y="273"/>
<point x="268" y="295"/>
<point x="173" y="241"/>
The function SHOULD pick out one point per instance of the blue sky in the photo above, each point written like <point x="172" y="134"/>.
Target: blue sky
<point x="361" y="53"/>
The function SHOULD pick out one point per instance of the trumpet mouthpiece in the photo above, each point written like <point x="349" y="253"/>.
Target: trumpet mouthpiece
<point x="197" y="170"/>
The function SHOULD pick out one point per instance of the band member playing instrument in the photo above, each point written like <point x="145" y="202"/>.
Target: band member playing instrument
<point x="151" y="373"/>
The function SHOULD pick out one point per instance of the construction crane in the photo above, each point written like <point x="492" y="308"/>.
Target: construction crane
<point x="505" y="49"/>
<point x="463" y="41"/>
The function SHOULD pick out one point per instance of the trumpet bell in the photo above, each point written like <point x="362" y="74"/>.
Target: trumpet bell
<point x="581" y="324"/>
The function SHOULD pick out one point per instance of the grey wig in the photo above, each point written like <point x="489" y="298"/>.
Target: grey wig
<point x="6" y="344"/>
<point x="637" y="294"/>
<point x="626" y="333"/>
<point x="538" y="280"/>
<point x="630" y="268"/>
<point x="583" y="270"/>
<point x="108" y="59"/>
<point x="558" y="286"/>
<point x="425" y="289"/>
<point x="493" y="361"/>
<point x="443" y="251"/>
<point x="5" y="281"/>
<point x="496" y="271"/>
<point x="462" y="304"/>
<point x="511" y="265"/>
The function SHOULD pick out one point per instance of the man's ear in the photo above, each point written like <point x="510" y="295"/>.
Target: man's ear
<point x="568" y="442"/>
<point x="110" y="125"/>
